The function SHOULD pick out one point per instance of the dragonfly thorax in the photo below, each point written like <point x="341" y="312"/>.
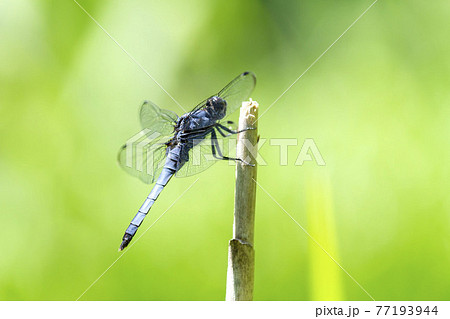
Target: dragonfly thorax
<point x="217" y="107"/>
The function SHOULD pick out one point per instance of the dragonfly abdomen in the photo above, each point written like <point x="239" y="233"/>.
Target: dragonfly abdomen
<point x="170" y="168"/>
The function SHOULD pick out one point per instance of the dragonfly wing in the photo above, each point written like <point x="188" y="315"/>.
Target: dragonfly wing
<point x="199" y="106"/>
<point x="235" y="92"/>
<point x="238" y="91"/>
<point x="144" y="154"/>
<point x="156" y="119"/>
<point x="143" y="158"/>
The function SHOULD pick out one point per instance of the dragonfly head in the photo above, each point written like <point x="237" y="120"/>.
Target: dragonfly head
<point x="217" y="105"/>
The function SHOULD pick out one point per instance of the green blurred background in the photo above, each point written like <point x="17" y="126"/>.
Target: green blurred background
<point x="377" y="106"/>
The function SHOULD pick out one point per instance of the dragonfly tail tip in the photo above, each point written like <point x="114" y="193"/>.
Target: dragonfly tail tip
<point x="125" y="241"/>
<point x="122" y="246"/>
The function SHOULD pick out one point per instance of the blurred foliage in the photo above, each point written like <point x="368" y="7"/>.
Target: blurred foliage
<point x="377" y="106"/>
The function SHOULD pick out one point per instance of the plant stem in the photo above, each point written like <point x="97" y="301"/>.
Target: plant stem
<point x="241" y="254"/>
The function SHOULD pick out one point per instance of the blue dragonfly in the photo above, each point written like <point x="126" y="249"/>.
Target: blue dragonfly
<point x="170" y="145"/>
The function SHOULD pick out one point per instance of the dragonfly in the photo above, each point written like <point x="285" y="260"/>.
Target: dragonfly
<point x="170" y="145"/>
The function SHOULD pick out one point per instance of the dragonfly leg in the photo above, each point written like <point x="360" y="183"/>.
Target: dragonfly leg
<point x="222" y="133"/>
<point x="226" y="129"/>
<point x="194" y="134"/>
<point x="198" y="130"/>
<point x="219" y="155"/>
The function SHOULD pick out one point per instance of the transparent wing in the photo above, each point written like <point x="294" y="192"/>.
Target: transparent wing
<point x="238" y="91"/>
<point x="156" y="119"/>
<point x="235" y="92"/>
<point x="199" y="106"/>
<point x="143" y="156"/>
<point x="201" y="156"/>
